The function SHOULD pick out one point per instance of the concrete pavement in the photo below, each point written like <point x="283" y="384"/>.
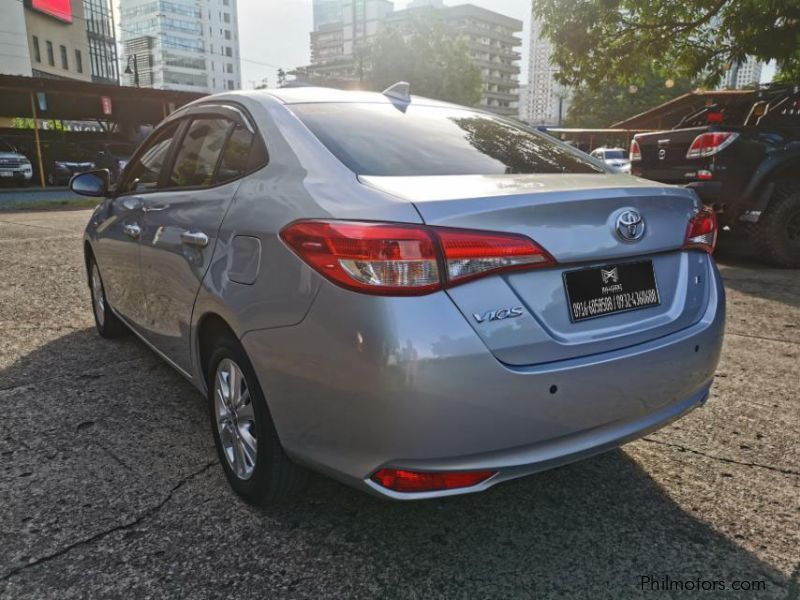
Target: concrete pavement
<point x="110" y="487"/>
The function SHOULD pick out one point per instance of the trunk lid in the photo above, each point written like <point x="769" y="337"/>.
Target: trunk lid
<point x="574" y="218"/>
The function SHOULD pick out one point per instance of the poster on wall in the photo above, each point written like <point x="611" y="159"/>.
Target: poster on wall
<point x="60" y="9"/>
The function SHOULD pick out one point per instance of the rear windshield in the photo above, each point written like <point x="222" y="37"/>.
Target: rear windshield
<point x="616" y="154"/>
<point x="382" y="140"/>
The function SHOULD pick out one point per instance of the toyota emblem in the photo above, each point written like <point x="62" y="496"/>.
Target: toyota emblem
<point x="630" y="226"/>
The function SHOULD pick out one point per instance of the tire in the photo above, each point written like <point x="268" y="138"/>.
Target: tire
<point x="777" y="232"/>
<point x="107" y="323"/>
<point x="259" y="472"/>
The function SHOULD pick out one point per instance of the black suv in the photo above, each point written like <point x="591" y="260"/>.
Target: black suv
<point x="743" y="158"/>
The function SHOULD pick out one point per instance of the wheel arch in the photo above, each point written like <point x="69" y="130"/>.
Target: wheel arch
<point x="210" y="327"/>
<point x="88" y="256"/>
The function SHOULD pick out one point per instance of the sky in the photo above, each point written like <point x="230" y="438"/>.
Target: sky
<point x="275" y="33"/>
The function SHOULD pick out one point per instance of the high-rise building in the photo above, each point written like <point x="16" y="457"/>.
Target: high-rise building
<point x="181" y="44"/>
<point x="490" y="36"/>
<point x="546" y="101"/>
<point x="745" y="74"/>
<point x="102" y="41"/>
<point x="327" y="12"/>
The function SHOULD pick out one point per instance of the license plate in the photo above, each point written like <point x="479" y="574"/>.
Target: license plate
<point x="611" y="289"/>
<point x="6" y="173"/>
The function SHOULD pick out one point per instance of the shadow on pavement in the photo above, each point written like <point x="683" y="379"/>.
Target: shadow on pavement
<point x="599" y="525"/>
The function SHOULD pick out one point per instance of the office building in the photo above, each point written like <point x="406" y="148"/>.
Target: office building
<point x="490" y="36"/>
<point x="181" y="44"/>
<point x="547" y="101"/>
<point x="59" y="39"/>
<point x="745" y="74"/>
<point x="327" y="12"/>
<point x="102" y="41"/>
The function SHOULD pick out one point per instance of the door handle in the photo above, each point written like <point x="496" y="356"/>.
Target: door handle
<point x="154" y="207"/>
<point x="133" y="231"/>
<point x="198" y="239"/>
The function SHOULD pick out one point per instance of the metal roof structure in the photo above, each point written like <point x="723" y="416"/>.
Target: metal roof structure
<point x="669" y="114"/>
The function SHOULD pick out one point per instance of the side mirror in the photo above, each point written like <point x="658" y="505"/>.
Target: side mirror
<point x="91" y="183"/>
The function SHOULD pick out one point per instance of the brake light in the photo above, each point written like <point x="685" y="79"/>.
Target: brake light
<point x="636" y="152"/>
<point x="707" y="144"/>
<point x="410" y="260"/>
<point x="470" y="254"/>
<point x="702" y="230"/>
<point x="413" y="481"/>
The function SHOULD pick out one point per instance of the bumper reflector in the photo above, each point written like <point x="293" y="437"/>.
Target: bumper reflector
<point x="413" y="481"/>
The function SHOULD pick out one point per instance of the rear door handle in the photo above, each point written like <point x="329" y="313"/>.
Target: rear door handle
<point x="133" y="231"/>
<point x="198" y="239"/>
<point x="154" y="207"/>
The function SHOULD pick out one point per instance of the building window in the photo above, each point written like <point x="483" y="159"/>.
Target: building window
<point x="226" y="17"/>
<point x="51" y="59"/>
<point x="227" y="34"/>
<point x="226" y="2"/>
<point x="37" y="53"/>
<point x="78" y="61"/>
<point x="64" y="61"/>
<point x="229" y="68"/>
<point x="228" y="50"/>
<point x="230" y="84"/>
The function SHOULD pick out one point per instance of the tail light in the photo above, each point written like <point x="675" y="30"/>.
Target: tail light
<point x="636" y="152"/>
<point x="707" y="144"/>
<point x="410" y="260"/>
<point x="702" y="230"/>
<point x="414" y="481"/>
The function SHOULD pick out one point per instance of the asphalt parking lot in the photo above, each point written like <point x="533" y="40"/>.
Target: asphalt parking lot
<point x="109" y="485"/>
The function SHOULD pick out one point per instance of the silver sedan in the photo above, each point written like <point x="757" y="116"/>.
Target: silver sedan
<point x="416" y="298"/>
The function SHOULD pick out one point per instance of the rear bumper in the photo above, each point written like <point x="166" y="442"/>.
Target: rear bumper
<point x="364" y="383"/>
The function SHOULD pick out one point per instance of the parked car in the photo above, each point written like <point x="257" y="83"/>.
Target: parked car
<point x="62" y="160"/>
<point x="742" y="158"/>
<point x="417" y="298"/>
<point x="14" y="167"/>
<point x="616" y="158"/>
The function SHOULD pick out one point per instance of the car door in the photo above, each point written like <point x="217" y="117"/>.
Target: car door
<point x="181" y="224"/>
<point x="118" y="234"/>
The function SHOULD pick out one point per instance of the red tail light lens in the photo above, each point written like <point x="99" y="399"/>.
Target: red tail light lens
<point x="708" y="144"/>
<point x="398" y="259"/>
<point x="636" y="152"/>
<point x="702" y="230"/>
<point x="471" y="254"/>
<point x="413" y="481"/>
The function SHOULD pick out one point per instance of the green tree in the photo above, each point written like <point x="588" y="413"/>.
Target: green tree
<point x="609" y="102"/>
<point x="598" y="40"/>
<point x="424" y="52"/>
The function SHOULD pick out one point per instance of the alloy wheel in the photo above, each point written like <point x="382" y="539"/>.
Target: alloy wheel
<point x="235" y="419"/>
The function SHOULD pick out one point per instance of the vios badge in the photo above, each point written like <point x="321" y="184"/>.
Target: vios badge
<point x="499" y="314"/>
<point x="630" y="226"/>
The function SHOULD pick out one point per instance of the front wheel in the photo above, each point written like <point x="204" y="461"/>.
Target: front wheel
<point x="777" y="232"/>
<point x="107" y="323"/>
<point x="254" y="462"/>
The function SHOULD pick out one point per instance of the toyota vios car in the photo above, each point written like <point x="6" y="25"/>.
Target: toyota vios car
<point x="416" y="298"/>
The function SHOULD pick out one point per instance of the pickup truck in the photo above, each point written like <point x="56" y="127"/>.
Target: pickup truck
<point x="743" y="159"/>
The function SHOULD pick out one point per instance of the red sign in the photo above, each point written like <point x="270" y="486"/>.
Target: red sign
<point x="105" y="102"/>
<point x="60" y="9"/>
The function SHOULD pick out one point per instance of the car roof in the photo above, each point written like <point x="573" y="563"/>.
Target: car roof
<point x="311" y="94"/>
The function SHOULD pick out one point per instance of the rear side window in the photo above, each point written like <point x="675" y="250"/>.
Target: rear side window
<point x="236" y="157"/>
<point x="200" y="150"/>
<point x="382" y="140"/>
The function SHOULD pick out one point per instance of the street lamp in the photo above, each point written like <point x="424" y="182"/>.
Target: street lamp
<point x="135" y="71"/>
